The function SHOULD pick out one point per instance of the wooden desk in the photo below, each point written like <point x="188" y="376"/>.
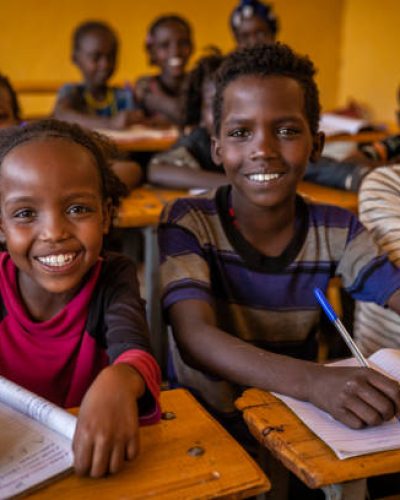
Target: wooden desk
<point x="344" y="199"/>
<point x="361" y="136"/>
<point x="301" y="451"/>
<point x="143" y="206"/>
<point x="37" y="87"/>
<point x="141" y="138"/>
<point x="189" y="456"/>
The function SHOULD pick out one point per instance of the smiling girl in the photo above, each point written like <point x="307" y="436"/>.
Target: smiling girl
<point x="72" y="323"/>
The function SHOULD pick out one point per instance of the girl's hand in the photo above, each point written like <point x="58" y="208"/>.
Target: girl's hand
<point x="357" y="397"/>
<point x="107" y="432"/>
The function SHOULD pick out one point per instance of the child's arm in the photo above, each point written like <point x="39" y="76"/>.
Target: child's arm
<point x="355" y="396"/>
<point x="151" y="98"/>
<point x="71" y="107"/>
<point x="107" y="433"/>
<point x="120" y="121"/>
<point x="180" y="168"/>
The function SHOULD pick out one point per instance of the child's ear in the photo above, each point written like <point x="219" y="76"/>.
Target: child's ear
<point x="108" y="212"/>
<point x="216" y="150"/>
<point x="318" y="146"/>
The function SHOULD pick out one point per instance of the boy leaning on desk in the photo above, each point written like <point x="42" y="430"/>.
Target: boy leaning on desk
<point x="239" y="264"/>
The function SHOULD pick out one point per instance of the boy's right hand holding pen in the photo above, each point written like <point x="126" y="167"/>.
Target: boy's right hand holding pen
<point x="355" y="396"/>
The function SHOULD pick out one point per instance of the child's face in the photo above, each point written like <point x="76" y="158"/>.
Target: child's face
<point x="171" y="48"/>
<point x="7" y="118"/>
<point x="265" y="140"/>
<point x="52" y="215"/>
<point x="253" y="31"/>
<point x="96" y="58"/>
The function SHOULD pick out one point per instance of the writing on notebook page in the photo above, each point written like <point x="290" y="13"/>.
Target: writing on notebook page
<point x="35" y="439"/>
<point x="343" y="441"/>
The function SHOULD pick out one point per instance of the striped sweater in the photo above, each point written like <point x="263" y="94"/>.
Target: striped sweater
<point x="267" y="301"/>
<point x="379" y="208"/>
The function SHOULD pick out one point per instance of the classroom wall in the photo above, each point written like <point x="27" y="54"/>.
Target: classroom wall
<point x="35" y="36"/>
<point x="370" y="65"/>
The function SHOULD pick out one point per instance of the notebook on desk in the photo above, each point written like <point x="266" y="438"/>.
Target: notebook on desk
<point x="343" y="441"/>
<point x="35" y="440"/>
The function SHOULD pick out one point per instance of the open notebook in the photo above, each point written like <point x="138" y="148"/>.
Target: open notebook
<point x="35" y="439"/>
<point x="343" y="441"/>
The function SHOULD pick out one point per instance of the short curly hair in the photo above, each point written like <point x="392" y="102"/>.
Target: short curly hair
<point x="101" y="149"/>
<point x="89" y="27"/>
<point x="269" y="60"/>
<point x="192" y="99"/>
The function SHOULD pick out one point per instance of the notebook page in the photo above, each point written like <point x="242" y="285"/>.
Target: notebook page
<point x="388" y="360"/>
<point x="38" y="408"/>
<point x="30" y="453"/>
<point x="343" y="441"/>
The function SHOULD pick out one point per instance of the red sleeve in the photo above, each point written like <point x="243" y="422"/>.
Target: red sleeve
<point x="148" y="368"/>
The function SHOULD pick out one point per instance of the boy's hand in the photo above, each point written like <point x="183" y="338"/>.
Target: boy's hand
<point x="357" y="397"/>
<point x="107" y="432"/>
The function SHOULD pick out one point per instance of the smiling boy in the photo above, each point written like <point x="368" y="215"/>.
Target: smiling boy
<point x="239" y="265"/>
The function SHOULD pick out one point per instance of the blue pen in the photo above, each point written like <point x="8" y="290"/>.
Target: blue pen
<point x="333" y="317"/>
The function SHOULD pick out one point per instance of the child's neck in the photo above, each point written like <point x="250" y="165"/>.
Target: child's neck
<point x="40" y="304"/>
<point x="269" y="230"/>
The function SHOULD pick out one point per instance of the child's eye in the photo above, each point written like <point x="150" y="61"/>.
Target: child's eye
<point x="78" y="210"/>
<point x="25" y="214"/>
<point x="288" y="131"/>
<point x="239" y="132"/>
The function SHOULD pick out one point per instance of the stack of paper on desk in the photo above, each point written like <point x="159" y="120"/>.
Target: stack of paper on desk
<point x="346" y="442"/>
<point x="35" y="439"/>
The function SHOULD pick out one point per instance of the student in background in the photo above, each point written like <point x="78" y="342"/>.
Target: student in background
<point x="10" y="113"/>
<point x="93" y="103"/>
<point x="253" y="22"/>
<point x="239" y="264"/>
<point x="188" y="163"/>
<point x="379" y="211"/>
<point x="169" y="46"/>
<point x="72" y="322"/>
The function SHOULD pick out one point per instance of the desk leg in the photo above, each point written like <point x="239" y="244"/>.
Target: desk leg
<point x="152" y="295"/>
<point x="352" y="490"/>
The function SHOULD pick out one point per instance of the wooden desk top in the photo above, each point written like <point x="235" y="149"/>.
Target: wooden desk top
<point x="361" y="136"/>
<point x="171" y="465"/>
<point x="144" y="205"/>
<point x="344" y="199"/>
<point x="283" y="433"/>
<point x="142" y="138"/>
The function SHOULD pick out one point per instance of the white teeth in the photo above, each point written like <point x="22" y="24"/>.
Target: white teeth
<point x="175" y="61"/>
<point x="263" y="177"/>
<point x="57" y="260"/>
